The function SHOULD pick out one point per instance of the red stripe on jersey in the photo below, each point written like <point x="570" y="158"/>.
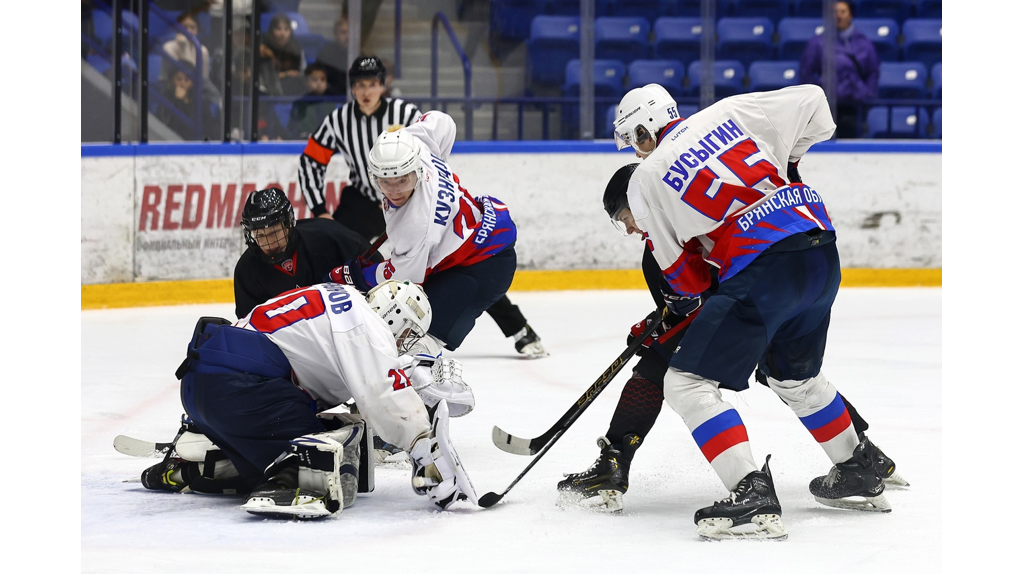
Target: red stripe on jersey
<point x="724" y="440"/>
<point x="317" y="152"/>
<point x="832" y="429"/>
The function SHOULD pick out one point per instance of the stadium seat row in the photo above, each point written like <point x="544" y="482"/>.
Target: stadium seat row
<point x="554" y="40"/>
<point x="510" y="19"/>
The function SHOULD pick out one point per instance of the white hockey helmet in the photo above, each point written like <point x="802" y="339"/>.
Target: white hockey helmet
<point x="641" y="114"/>
<point x="394" y="153"/>
<point x="404" y="307"/>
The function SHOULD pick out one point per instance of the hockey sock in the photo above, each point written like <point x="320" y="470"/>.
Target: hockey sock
<point x="823" y="413"/>
<point x="637" y="410"/>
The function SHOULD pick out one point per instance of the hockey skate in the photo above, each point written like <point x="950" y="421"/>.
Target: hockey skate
<point x="167" y="475"/>
<point x="280" y="496"/>
<point x="854" y="484"/>
<point x="528" y="343"/>
<point x="603" y="485"/>
<point x="751" y="511"/>
<point x="885" y="467"/>
<point x="385" y="453"/>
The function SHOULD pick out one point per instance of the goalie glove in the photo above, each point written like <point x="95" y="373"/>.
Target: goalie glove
<point x="442" y="380"/>
<point x="437" y="471"/>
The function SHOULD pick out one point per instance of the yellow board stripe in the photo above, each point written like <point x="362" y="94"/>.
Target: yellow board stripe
<point x="119" y="295"/>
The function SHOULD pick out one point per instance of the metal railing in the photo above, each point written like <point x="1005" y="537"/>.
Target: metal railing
<point x="467" y="73"/>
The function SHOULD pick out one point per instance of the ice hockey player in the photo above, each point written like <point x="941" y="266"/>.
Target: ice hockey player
<point x="713" y="190"/>
<point x="459" y="247"/>
<point x="283" y="254"/>
<point x="258" y="390"/>
<point x="602" y="487"/>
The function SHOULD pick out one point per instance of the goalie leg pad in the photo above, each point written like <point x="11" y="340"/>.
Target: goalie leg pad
<point x="329" y="463"/>
<point x="437" y="470"/>
<point x="367" y="458"/>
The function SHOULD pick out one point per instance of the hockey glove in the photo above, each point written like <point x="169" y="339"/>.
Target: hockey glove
<point x="682" y="306"/>
<point x="350" y="273"/>
<point x="793" y="173"/>
<point x="637" y="329"/>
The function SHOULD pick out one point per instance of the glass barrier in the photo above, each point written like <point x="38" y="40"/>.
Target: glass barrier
<point x="504" y="69"/>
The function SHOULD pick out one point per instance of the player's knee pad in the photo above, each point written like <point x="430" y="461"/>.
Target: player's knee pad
<point x="692" y="396"/>
<point x="437" y="470"/>
<point x="367" y="461"/>
<point x="329" y="464"/>
<point x="805" y="396"/>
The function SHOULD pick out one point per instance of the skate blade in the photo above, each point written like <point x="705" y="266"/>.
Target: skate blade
<point x="265" y="507"/>
<point x="760" y="527"/>
<point x="606" y="501"/>
<point x="896" y="481"/>
<point x="865" y="503"/>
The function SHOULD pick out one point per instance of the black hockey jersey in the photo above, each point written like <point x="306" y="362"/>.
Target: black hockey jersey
<point x="322" y="244"/>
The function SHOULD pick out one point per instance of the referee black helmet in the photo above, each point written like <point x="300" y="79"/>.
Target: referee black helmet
<point x="366" y="67"/>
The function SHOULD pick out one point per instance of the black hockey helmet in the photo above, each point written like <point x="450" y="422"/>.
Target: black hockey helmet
<point x="615" y="191"/>
<point x="367" y="67"/>
<point x="265" y="208"/>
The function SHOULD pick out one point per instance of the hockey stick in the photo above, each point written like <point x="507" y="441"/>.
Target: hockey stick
<point x="544" y="442"/>
<point x="138" y="447"/>
<point x="525" y="446"/>
<point x="376" y="245"/>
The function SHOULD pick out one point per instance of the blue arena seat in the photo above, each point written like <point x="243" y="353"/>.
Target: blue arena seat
<point x="937" y="123"/>
<point x="510" y="19"/>
<point x="808" y="9"/>
<point x="649" y="9"/>
<point x="794" y="33"/>
<point x="767" y="75"/>
<point x="936" y="76"/>
<point x="906" y="80"/>
<point x="624" y="38"/>
<point x="609" y="76"/>
<point x="686" y="8"/>
<point x="883" y="33"/>
<point x="928" y="9"/>
<point x="667" y="73"/>
<point x="299" y="24"/>
<point x="900" y="122"/>
<point x="553" y="42"/>
<point x="311" y="45"/>
<point x="898" y="10"/>
<point x="774" y="10"/>
<point x="922" y="40"/>
<point x="677" y="38"/>
<point x="745" y="39"/>
<point x="728" y="77"/>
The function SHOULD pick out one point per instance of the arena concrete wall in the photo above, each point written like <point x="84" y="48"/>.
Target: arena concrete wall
<point x="162" y="220"/>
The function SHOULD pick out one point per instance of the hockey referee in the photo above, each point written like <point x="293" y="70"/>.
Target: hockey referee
<point x="351" y="130"/>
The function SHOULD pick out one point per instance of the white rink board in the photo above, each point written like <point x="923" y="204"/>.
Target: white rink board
<point x="175" y="217"/>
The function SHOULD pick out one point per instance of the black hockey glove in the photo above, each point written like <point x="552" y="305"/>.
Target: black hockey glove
<point x="793" y="173"/>
<point x="680" y="305"/>
<point x="350" y="273"/>
<point x="637" y="329"/>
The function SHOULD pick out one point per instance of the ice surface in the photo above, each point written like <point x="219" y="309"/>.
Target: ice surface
<point x="884" y="354"/>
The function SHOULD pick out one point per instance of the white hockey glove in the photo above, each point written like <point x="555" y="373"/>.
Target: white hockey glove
<point x="443" y="380"/>
<point x="436" y="469"/>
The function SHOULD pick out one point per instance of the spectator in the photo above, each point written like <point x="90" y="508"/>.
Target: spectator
<point x="334" y="58"/>
<point x="182" y="49"/>
<point x="282" y="49"/>
<point x="856" y="69"/>
<point x="309" y="110"/>
<point x="179" y="113"/>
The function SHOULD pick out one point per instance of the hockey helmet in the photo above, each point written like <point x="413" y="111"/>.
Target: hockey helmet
<point x="367" y="67"/>
<point x="641" y="114"/>
<point x="615" y="194"/>
<point x="266" y="208"/>
<point x="404" y="307"/>
<point x="394" y="154"/>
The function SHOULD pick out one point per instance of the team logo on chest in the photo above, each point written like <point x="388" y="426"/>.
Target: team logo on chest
<point x="288" y="265"/>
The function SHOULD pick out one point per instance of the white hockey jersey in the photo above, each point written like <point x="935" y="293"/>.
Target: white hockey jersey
<point x="442" y="225"/>
<point x="715" y="188"/>
<point x="340" y="349"/>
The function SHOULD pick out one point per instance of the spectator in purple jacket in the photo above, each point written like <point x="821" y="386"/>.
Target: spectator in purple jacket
<point x="856" y="69"/>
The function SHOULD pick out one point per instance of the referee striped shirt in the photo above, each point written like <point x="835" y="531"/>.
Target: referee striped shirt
<point x="350" y="132"/>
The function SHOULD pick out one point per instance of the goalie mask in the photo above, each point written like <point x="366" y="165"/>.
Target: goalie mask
<point x="615" y="195"/>
<point x="641" y="114"/>
<point x="269" y="223"/>
<point x="395" y="166"/>
<point x="404" y="307"/>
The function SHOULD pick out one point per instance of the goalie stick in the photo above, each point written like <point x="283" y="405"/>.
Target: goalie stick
<point x="142" y="448"/>
<point x="544" y="442"/>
